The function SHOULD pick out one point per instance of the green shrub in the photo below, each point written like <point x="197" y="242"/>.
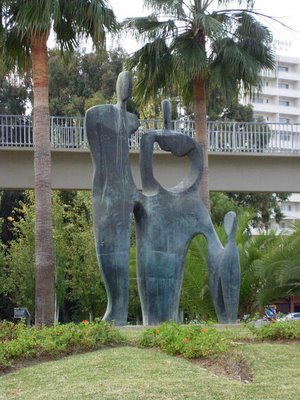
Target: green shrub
<point x="277" y="331"/>
<point x="17" y="342"/>
<point x="191" y="341"/>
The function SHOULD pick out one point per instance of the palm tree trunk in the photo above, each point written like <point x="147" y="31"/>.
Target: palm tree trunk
<point x="44" y="255"/>
<point x="201" y="135"/>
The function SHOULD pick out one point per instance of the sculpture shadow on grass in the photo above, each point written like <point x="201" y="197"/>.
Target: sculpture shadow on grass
<point x="166" y="219"/>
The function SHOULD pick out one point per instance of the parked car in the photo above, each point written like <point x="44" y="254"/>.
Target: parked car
<point x="291" y="317"/>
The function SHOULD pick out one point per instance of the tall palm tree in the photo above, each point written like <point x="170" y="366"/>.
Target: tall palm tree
<point x="194" y="46"/>
<point x="24" y="31"/>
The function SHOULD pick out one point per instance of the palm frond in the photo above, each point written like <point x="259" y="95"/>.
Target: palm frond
<point x="174" y="7"/>
<point x="78" y="18"/>
<point x="210" y="24"/>
<point x="150" y="28"/>
<point x="189" y="57"/>
<point x="248" y="3"/>
<point x="153" y="63"/>
<point x="70" y="20"/>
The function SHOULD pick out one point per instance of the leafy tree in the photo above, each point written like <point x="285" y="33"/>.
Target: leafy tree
<point x="219" y="107"/>
<point x="18" y="270"/>
<point x="9" y="203"/>
<point x="86" y="289"/>
<point x="25" y="29"/>
<point x="264" y="205"/>
<point x="239" y="113"/>
<point x="13" y="96"/>
<point x="194" y="47"/>
<point x="221" y="203"/>
<point x="79" y="81"/>
<point x="77" y="276"/>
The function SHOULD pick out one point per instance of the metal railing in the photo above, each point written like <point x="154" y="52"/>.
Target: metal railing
<point x="231" y="137"/>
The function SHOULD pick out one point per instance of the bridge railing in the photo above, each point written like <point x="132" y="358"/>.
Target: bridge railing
<point x="233" y="137"/>
<point x="16" y="130"/>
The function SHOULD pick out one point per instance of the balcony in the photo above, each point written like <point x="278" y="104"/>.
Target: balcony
<point x="275" y="109"/>
<point x="289" y="76"/>
<point x="275" y="91"/>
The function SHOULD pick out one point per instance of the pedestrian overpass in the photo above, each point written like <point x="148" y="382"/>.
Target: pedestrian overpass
<point x="243" y="156"/>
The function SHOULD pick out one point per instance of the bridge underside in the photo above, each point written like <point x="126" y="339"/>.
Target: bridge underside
<point x="72" y="169"/>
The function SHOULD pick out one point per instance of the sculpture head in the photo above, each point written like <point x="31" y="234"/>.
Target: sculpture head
<point x="123" y="87"/>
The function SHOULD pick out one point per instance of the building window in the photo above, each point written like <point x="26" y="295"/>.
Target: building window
<point x="282" y="85"/>
<point x="282" y="225"/>
<point x="284" y="120"/>
<point x="257" y="100"/>
<point x="284" y="103"/>
<point x="286" y="207"/>
<point x="283" y="68"/>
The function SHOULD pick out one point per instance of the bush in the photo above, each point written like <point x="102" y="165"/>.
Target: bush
<point x="17" y="342"/>
<point x="191" y="341"/>
<point x="277" y="331"/>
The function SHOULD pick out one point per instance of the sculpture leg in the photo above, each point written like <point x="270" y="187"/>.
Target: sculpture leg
<point x="113" y="243"/>
<point x="159" y="283"/>
<point x="224" y="272"/>
<point x="161" y="248"/>
<point x="230" y="270"/>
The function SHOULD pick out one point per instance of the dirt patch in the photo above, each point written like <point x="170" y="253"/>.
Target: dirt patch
<point x="233" y="365"/>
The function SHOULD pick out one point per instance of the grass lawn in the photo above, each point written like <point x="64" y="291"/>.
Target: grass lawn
<point x="133" y="373"/>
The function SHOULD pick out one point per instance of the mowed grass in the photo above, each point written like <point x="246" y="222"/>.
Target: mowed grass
<point x="134" y="373"/>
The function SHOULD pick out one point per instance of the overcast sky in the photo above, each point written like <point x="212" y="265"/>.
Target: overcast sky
<point x="287" y="11"/>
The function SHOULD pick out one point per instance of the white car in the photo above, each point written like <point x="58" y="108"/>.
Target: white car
<point x="295" y="316"/>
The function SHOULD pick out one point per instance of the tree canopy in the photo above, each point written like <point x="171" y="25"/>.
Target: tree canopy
<point x="194" y="46"/>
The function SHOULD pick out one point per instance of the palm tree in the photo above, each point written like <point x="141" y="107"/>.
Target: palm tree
<point x="195" y="46"/>
<point x="279" y="269"/>
<point x="25" y="30"/>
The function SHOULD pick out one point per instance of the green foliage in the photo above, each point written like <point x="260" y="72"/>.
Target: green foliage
<point x="264" y="204"/>
<point x="191" y="341"/>
<point x="71" y="21"/>
<point x="260" y="279"/>
<point x="220" y="107"/>
<point x="77" y="276"/>
<point x="19" y="281"/>
<point x="221" y="203"/>
<point x="187" y="41"/>
<point x="17" y="342"/>
<point x="83" y="278"/>
<point x="279" y="269"/>
<point x="277" y="330"/>
<point x="134" y="305"/>
<point x="78" y="81"/>
<point x="195" y="293"/>
<point x="13" y="95"/>
<point x="9" y="204"/>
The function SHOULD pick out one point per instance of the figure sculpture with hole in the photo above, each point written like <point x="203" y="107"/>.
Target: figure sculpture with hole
<point x="166" y="219"/>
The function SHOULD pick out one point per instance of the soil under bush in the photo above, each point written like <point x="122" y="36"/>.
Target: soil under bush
<point x="233" y="365"/>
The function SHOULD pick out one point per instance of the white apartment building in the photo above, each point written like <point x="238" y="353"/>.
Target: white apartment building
<point x="279" y="102"/>
<point x="279" y="99"/>
<point x="291" y="211"/>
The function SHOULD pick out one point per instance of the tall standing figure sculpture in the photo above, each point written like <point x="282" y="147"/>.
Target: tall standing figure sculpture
<point x="166" y="219"/>
<point x="108" y="128"/>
